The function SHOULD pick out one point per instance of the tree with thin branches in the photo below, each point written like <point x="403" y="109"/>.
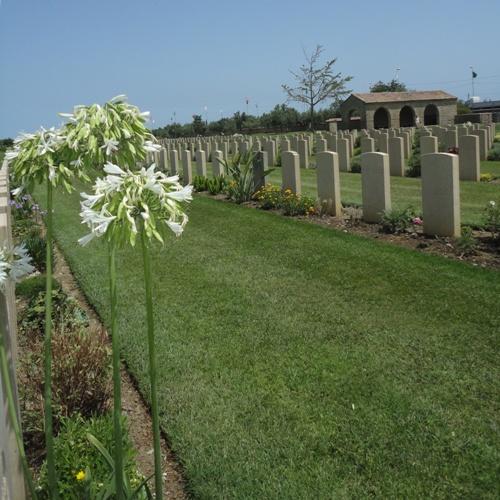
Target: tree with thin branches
<point x="317" y="83"/>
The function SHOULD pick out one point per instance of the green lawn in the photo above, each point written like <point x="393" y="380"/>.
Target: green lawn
<point x="301" y="362"/>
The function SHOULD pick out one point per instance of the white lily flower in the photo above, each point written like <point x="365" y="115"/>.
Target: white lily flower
<point x="150" y="147"/>
<point x="21" y="263"/>
<point x="175" y="227"/>
<point x="92" y="199"/>
<point x="4" y="274"/>
<point x="14" y="264"/>
<point x="77" y="163"/>
<point x="52" y="172"/>
<point x="12" y="154"/>
<point x="118" y="98"/>
<point x="84" y="240"/>
<point x="110" y="145"/>
<point x="112" y="169"/>
<point x="17" y="191"/>
<point x="184" y="194"/>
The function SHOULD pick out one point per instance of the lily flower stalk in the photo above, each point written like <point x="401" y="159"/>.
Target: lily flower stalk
<point x="45" y="158"/>
<point x="123" y="206"/>
<point x="114" y="133"/>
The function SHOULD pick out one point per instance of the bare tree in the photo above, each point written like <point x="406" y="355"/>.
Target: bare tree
<point x="317" y="83"/>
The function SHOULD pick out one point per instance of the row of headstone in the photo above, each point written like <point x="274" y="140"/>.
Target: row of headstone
<point x="440" y="187"/>
<point x="397" y="143"/>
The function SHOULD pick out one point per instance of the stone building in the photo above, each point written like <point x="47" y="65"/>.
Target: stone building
<point x="398" y="109"/>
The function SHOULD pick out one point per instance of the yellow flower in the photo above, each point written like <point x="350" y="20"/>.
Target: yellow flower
<point x="80" y="476"/>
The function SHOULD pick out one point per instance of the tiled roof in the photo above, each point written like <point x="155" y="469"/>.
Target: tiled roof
<point x="425" y="95"/>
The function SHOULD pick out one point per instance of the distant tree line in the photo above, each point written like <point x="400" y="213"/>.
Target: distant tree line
<point x="282" y="118"/>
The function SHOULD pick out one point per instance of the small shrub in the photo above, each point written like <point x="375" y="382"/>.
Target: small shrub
<point x="66" y="314"/>
<point x="356" y="165"/>
<point x="487" y="177"/>
<point x="353" y="215"/>
<point x="240" y="187"/>
<point x="36" y="245"/>
<point x="466" y="244"/>
<point x="25" y="207"/>
<point x="414" y="166"/>
<point x="200" y="183"/>
<point x="33" y="285"/>
<point x="80" y="384"/>
<point x="397" y="221"/>
<point x="216" y="185"/>
<point x="492" y="219"/>
<point x="277" y="161"/>
<point x="269" y="197"/>
<point x="74" y="453"/>
<point x="294" y="204"/>
<point x="494" y="155"/>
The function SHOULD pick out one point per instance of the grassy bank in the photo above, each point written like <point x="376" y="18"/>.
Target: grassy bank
<point x="300" y="362"/>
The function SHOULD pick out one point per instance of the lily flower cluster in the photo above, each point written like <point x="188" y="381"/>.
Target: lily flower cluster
<point x="115" y="132"/>
<point x="43" y="154"/>
<point x="14" y="264"/>
<point x="126" y="202"/>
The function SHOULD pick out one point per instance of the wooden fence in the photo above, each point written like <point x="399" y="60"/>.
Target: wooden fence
<point x="11" y="474"/>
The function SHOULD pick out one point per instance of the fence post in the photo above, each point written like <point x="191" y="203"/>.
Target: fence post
<point x="11" y="473"/>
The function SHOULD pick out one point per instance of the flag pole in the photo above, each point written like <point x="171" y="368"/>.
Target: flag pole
<point x="472" y="80"/>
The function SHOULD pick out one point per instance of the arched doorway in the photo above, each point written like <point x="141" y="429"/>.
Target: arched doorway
<point x="381" y="118"/>
<point x="431" y="115"/>
<point x="406" y="117"/>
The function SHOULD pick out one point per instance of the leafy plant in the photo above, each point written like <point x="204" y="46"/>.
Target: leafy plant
<point x="241" y="185"/>
<point x="66" y="314"/>
<point x="84" y="472"/>
<point x="200" y="183"/>
<point x="269" y="197"/>
<point x="36" y="245"/>
<point x="30" y="287"/>
<point x="414" y="165"/>
<point x="277" y="160"/>
<point x="466" y="244"/>
<point x="216" y="185"/>
<point x="397" y="221"/>
<point x="294" y="204"/>
<point x="239" y="168"/>
<point x="81" y="380"/>
<point x="356" y="165"/>
<point x="494" y="155"/>
<point x="487" y="177"/>
<point x="492" y="219"/>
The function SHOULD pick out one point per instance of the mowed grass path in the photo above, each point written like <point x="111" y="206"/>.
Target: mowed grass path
<point x="301" y="362"/>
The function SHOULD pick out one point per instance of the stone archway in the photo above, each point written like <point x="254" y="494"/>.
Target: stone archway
<point x="381" y="118"/>
<point x="431" y="115"/>
<point x="407" y="117"/>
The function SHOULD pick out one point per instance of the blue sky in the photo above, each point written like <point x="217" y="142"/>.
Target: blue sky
<point x="178" y="57"/>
